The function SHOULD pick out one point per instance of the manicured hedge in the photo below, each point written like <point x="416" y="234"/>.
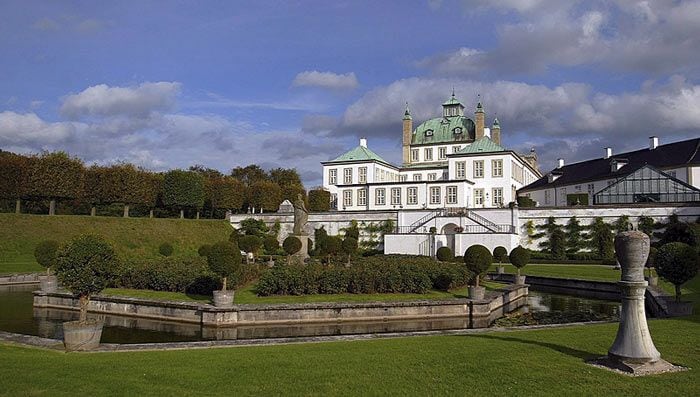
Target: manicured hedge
<point x="376" y="274"/>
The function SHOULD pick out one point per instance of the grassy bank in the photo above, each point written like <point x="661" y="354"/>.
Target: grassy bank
<point x="534" y="362"/>
<point x="584" y="272"/>
<point x="132" y="237"/>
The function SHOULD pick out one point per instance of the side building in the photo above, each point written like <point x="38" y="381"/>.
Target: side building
<point x="667" y="173"/>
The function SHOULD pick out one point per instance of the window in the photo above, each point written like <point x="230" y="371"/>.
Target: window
<point x="432" y="176"/>
<point x="403" y="178"/>
<point x="458" y="130"/>
<point x="395" y="196"/>
<point x="478" y="168"/>
<point x="591" y="189"/>
<point x="412" y="195"/>
<point x="478" y="197"/>
<point x="334" y="201"/>
<point x="414" y="155"/>
<point x="497" y="168"/>
<point x="332" y="176"/>
<point x="347" y="176"/>
<point x="428" y="154"/>
<point x="546" y="196"/>
<point x="428" y="132"/>
<point x="380" y="196"/>
<point x="452" y="195"/>
<point x="347" y="198"/>
<point x="672" y="173"/>
<point x="362" y="175"/>
<point x="578" y="188"/>
<point x="435" y="195"/>
<point x="417" y="177"/>
<point x="461" y="172"/>
<point x="455" y="149"/>
<point x="497" y="197"/>
<point x="442" y="153"/>
<point x="362" y="197"/>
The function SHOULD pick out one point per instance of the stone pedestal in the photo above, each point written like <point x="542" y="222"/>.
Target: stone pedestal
<point x="48" y="283"/>
<point x="303" y="253"/>
<point x="223" y="298"/>
<point x="476" y="293"/>
<point x="519" y="280"/>
<point x="633" y="351"/>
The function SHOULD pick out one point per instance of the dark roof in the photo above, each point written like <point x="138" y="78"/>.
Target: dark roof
<point x="676" y="154"/>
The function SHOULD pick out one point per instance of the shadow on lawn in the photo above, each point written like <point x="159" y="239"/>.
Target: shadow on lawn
<point x="584" y="355"/>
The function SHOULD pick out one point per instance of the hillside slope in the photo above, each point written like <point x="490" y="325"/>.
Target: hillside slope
<point x="131" y="237"/>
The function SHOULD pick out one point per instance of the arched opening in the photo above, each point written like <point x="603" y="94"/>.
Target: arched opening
<point x="449" y="230"/>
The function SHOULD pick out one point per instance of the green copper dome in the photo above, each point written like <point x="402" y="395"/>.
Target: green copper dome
<point x="444" y="130"/>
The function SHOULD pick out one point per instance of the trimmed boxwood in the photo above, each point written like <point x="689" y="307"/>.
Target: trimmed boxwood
<point x="291" y="245"/>
<point x="224" y="259"/>
<point x="45" y="254"/>
<point x="478" y="259"/>
<point x="677" y="263"/>
<point x="500" y="254"/>
<point x="166" y="249"/>
<point x="444" y="254"/>
<point x="519" y="257"/>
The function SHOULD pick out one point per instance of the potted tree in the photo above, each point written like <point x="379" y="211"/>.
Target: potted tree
<point x="478" y="259"/>
<point x="271" y="247"/>
<point x="85" y="266"/>
<point x="519" y="257"/>
<point x="45" y="255"/>
<point x="224" y="259"/>
<point x="677" y="263"/>
<point x="500" y="254"/>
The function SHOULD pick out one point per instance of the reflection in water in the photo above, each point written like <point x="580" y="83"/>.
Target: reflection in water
<point x="18" y="315"/>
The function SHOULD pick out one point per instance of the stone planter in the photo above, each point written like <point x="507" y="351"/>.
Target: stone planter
<point x="519" y="280"/>
<point x="476" y="293"/>
<point x="223" y="298"/>
<point x="48" y="283"/>
<point x="82" y="337"/>
<point x="500" y="269"/>
<point x="676" y="309"/>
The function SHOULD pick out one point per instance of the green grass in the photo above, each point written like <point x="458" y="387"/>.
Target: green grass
<point x="132" y="237"/>
<point x="246" y="295"/>
<point x="585" y="272"/>
<point x="528" y="363"/>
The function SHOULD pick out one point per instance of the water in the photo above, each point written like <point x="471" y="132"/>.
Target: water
<point x="18" y="315"/>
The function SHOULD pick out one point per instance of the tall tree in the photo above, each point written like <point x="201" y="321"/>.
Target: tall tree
<point x="250" y="174"/>
<point x="601" y="239"/>
<point x="182" y="190"/>
<point x="14" y="174"/>
<point x="554" y="238"/>
<point x="319" y="200"/>
<point x="224" y="192"/>
<point x="266" y="195"/>
<point x="55" y="176"/>
<point x="622" y="224"/>
<point x="575" y="238"/>
<point x="289" y="181"/>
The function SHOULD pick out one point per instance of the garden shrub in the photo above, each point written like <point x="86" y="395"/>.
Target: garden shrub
<point x="677" y="263"/>
<point x="271" y="245"/>
<point x="291" y="245"/>
<point x="500" y="254"/>
<point x="250" y="243"/>
<point x="519" y="257"/>
<point x="204" y="250"/>
<point x="378" y="274"/>
<point x="444" y="254"/>
<point x="204" y="284"/>
<point x="224" y="259"/>
<point x="45" y="254"/>
<point x="478" y="259"/>
<point x="165" y="249"/>
<point x="164" y="274"/>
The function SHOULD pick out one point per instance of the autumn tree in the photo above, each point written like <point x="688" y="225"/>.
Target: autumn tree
<point x="289" y="181"/>
<point x="319" y="200"/>
<point x="55" y="176"/>
<point x="224" y="192"/>
<point x="265" y="194"/>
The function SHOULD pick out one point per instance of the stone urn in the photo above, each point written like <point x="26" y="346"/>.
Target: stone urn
<point x="476" y="293"/>
<point x="519" y="280"/>
<point x="79" y="336"/>
<point x="48" y="283"/>
<point x="223" y="299"/>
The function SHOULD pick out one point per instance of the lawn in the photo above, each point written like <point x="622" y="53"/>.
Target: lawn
<point x="585" y="272"/>
<point x="131" y="237"/>
<point x="527" y="362"/>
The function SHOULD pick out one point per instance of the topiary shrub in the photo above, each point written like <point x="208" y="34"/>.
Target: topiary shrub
<point x="45" y="254"/>
<point x="444" y="254"/>
<point x="204" y="250"/>
<point x="349" y="247"/>
<point x="224" y="259"/>
<point x="500" y="254"/>
<point x="271" y="245"/>
<point x="478" y="259"/>
<point x="85" y="266"/>
<point x="250" y="243"/>
<point x="519" y="257"/>
<point x="677" y="263"/>
<point x="165" y="249"/>
<point x="291" y="245"/>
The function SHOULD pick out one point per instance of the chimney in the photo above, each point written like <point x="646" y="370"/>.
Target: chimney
<point x="561" y="163"/>
<point x="363" y="142"/>
<point x="653" y="142"/>
<point x="608" y="152"/>
<point x="407" y="135"/>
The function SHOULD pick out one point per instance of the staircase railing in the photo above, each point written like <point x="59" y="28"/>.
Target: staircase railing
<point x="422" y="221"/>
<point x="481" y="220"/>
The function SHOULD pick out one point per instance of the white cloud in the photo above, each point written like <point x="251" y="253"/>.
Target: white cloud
<point x="17" y="129"/>
<point x="103" y="100"/>
<point x="328" y="80"/>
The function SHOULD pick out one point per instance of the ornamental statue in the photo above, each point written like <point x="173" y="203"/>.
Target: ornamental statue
<point x="301" y="216"/>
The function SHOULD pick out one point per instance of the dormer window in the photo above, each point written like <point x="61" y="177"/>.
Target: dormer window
<point x="428" y="132"/>
<point x="458" y="130"/>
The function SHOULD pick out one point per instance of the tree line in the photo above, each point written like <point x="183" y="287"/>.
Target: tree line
<point x="57" y="177"/>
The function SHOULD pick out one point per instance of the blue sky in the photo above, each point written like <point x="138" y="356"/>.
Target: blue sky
<point x="292" y="83"/>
